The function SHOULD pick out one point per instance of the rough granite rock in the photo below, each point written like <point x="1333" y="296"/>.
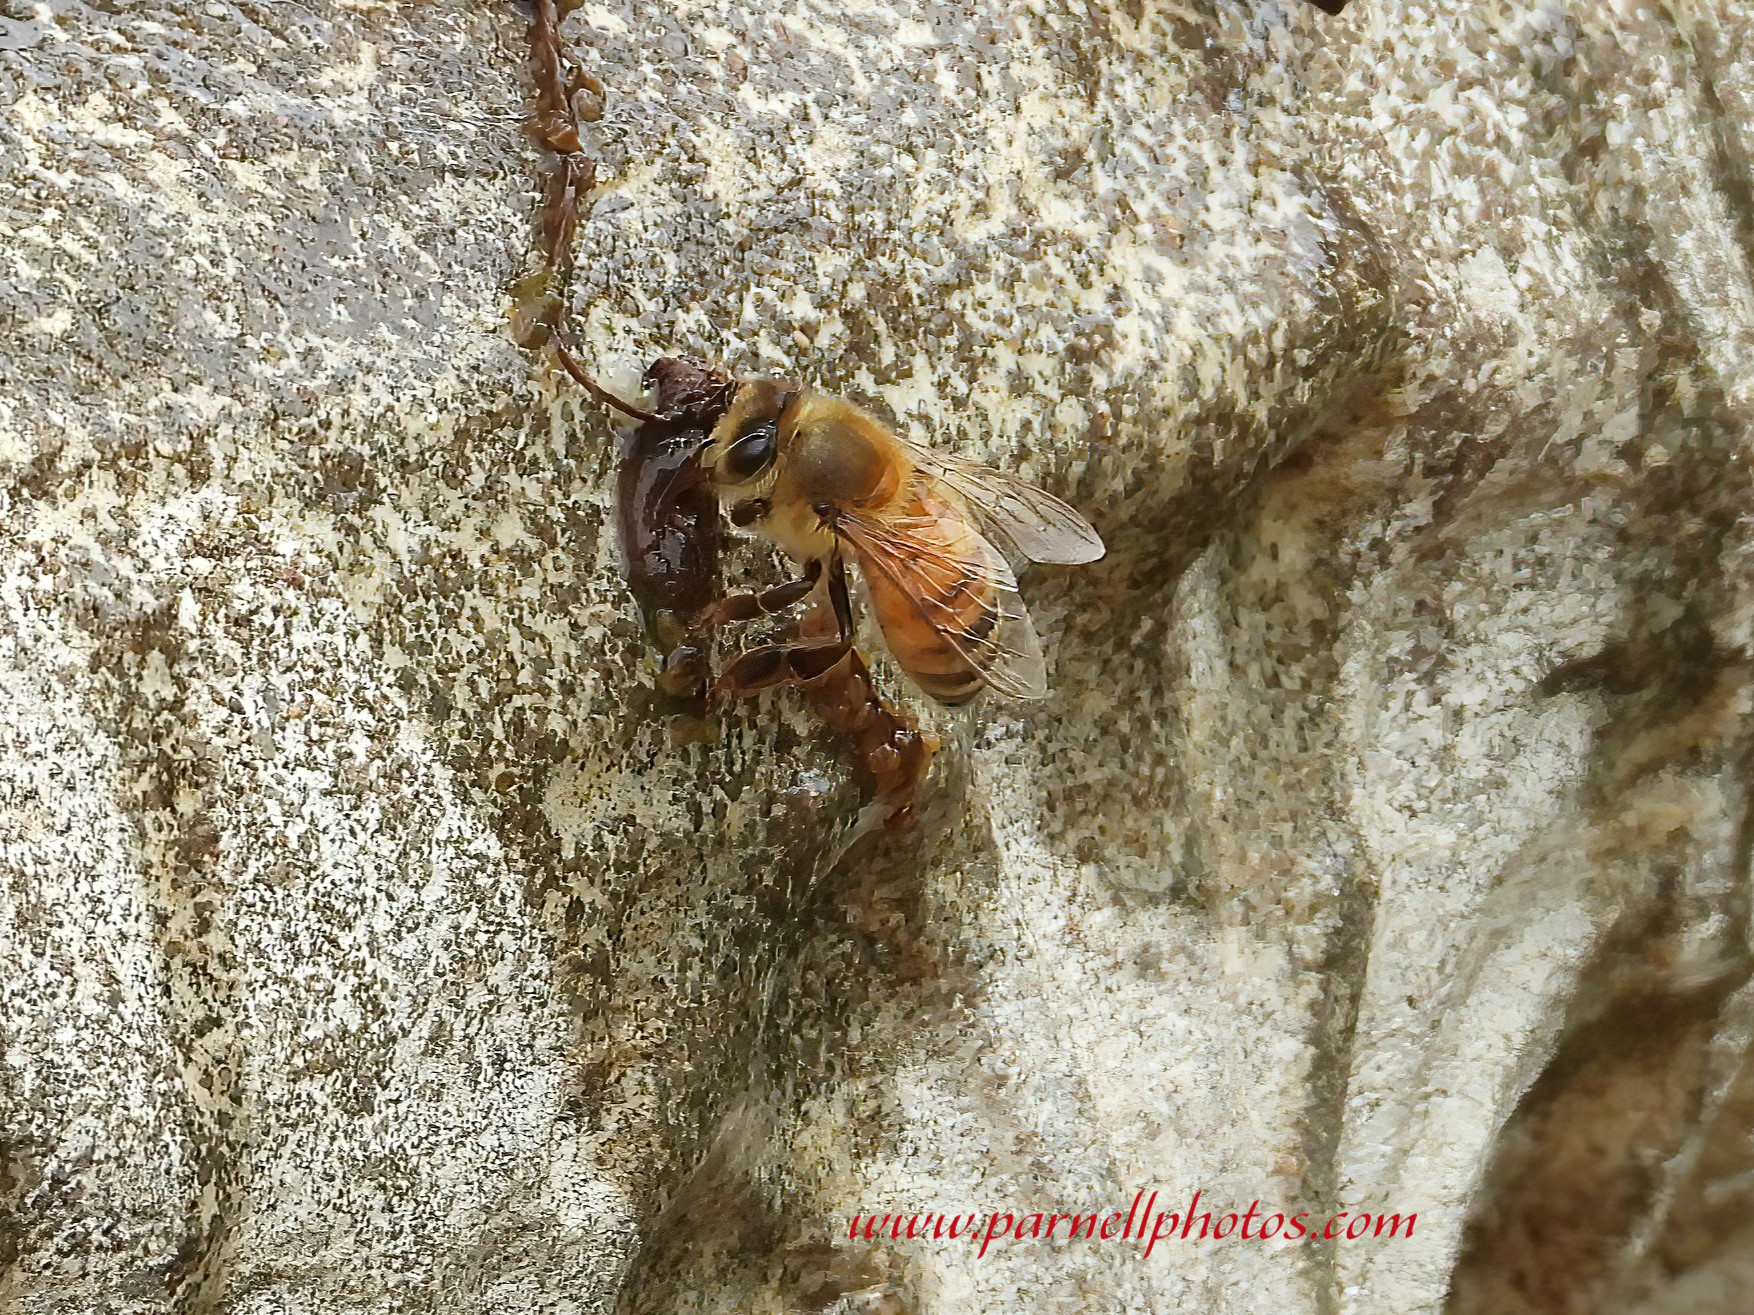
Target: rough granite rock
<point x="1383" y="846"/>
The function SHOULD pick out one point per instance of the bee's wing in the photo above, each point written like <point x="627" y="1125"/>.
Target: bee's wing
<point x="959" y="585"/>
<point x="1032" y="521"/>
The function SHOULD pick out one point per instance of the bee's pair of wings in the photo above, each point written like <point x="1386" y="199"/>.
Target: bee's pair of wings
<point x="954" y="571"/>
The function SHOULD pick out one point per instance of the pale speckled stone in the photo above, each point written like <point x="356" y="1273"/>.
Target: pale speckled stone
<point x="367" y="949"/>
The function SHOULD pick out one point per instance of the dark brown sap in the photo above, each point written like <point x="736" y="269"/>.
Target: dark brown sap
<point x="667" y="521"/>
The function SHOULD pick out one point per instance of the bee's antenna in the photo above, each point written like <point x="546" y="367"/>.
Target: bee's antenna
<point x="602" y="394"/>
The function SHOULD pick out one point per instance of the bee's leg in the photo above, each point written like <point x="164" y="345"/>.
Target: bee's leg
<point x="746" y="605"/>
<point x="787" y="664"/>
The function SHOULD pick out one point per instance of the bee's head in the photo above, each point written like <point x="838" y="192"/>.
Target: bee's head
<point x="748" y="439"/>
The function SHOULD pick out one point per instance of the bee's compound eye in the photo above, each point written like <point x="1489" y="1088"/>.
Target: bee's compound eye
<point x="751" y="453"/>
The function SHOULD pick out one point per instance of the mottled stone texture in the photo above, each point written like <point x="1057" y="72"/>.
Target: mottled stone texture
<point x="1383" y="846"/>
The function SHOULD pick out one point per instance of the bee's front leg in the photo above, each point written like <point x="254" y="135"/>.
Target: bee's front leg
<point x="788" y="664"/>
<point x="746" y="604"/>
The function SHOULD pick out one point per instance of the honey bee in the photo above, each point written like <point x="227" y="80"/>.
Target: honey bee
<point x="667" y="520"/>
<point x="825" y="481"/>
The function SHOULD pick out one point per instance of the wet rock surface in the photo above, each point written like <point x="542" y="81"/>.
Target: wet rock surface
<point x="1383" y="845"/>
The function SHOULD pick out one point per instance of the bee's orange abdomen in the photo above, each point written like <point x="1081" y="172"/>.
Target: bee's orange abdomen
<point x="917" y="641"/>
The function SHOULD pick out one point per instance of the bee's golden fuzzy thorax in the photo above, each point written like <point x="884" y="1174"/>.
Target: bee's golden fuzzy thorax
<point x="837" y="454"/>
